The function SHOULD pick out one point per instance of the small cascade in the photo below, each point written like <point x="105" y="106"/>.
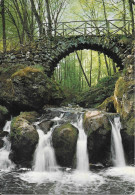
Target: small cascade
<point x="82" y="154"/>
<point x="5" y="162"/>
<point x="44" y="157"/>
<point x="116" y="144"/>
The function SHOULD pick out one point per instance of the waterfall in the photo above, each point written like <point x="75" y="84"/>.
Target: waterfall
<point x="5" y="162"/>
<point x="116" y="144"/>
<point x="44" y="157"/>
<point x="82" y="154"/>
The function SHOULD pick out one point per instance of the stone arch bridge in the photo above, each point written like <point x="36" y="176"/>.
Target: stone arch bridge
<point x="109" y="37"/>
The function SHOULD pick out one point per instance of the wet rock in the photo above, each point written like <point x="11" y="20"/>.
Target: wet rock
<point x="98" y="130"/>
<point x="3" y="134"/>
<point x="46" y="125"/>
<point x="64" y="140"/>
<point x="24" y="139"/>
<point x="1" y="143"/>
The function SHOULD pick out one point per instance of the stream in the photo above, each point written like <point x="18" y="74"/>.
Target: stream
<point x="47" y="177"/>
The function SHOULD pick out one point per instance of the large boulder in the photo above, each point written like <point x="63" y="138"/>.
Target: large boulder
<point x="124" y="104"/>
<point x="24" y="138"/>
<point x="64" y="140"/>
<point x="29" y="88"/>
<point x="98" y="130"/>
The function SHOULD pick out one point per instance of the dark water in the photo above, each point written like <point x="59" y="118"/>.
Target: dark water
<point x="105" y="181"/>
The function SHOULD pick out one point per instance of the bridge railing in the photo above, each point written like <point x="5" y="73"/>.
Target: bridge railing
<point x="92" y="27"/>
<point x="74" y="28"/>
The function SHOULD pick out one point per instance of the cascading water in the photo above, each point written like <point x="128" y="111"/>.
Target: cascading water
<point x="5" y="162"/>
<point x="82" y="154"/>
<point x="116" y="144"/>
<point x="44" y="157"/>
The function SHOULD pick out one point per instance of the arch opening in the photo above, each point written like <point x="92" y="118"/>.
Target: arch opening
<point x="84" y="70"/>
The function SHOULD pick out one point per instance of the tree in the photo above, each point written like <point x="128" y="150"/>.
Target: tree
<point x="131" y="2"/>
<point x="38" y="17"/>
<point x="3" y="24"/>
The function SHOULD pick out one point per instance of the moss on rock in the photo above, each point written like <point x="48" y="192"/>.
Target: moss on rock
<point x="29" y="88"/>
<point x="24" y="138"/>
<point x="25" y="72"/>
<point x="64" y="141"/>
<point x="108" y="105"/>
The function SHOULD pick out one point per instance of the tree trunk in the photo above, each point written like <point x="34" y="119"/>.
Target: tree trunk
<point x="124" y="15"/>
<point x="107" y="66"/>
<point x="38" y="19"/>
<point x="114" y="67"/>
<point x="91" y="68"/>
<point x="105" y="15"/>
<point x="49" y="18"/>
<point x="99" y="67"/>
<point x="3" y="25"/>
<point x="82" y="68"/>
<point x="131" y="15"/>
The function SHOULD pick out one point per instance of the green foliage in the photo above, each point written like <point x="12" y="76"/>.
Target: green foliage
<point x="3" y="110"/>
<point x="109" y="80"/>
<point x="70" y="77"/>
<point x="39" y="67"/>
<point x="98" y="93"/>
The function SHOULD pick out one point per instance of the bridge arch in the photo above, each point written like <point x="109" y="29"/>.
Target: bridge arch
<point x="65" y="46"/>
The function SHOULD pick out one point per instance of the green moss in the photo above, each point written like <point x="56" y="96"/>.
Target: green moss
<point x="70" y="128"/>
<point x="29" y="116"/>
<point x="104" y="104"/>
<point x="39" y="67"/>
<point x="3" y="110"/>
<point x="131" y="126"/>
<point x="25" y="72"/>
<point x="97" y="94"/>
<point x="120" y="87"/>
<point x="15" y="130"/>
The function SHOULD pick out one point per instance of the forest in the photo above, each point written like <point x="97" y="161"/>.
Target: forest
<point x="67" y="85"/>
<point x="25" y="21"/>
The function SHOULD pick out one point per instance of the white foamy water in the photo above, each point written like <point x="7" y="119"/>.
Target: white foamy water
<point x="115" y="180"/>
<point x="81" y="153"/>
<point x="5" y="162"/>
<point x="44" y="157"/>
<point x="125" y="173"/>
<point x="116" y="144"/>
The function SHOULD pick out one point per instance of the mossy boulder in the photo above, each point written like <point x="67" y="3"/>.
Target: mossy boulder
<point x="98" y="130"/>
<point x="124" y="104"/>
<point x="124" y="96"/>
<point x="108" y="105"/>
<point x="30" y="116"/>
<point x="123" y="101"/>
<point x="64" y="140"/>
<point x="29" y="88"/>
<point x="4" y="114"/>
<point x="24" y="139"/>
